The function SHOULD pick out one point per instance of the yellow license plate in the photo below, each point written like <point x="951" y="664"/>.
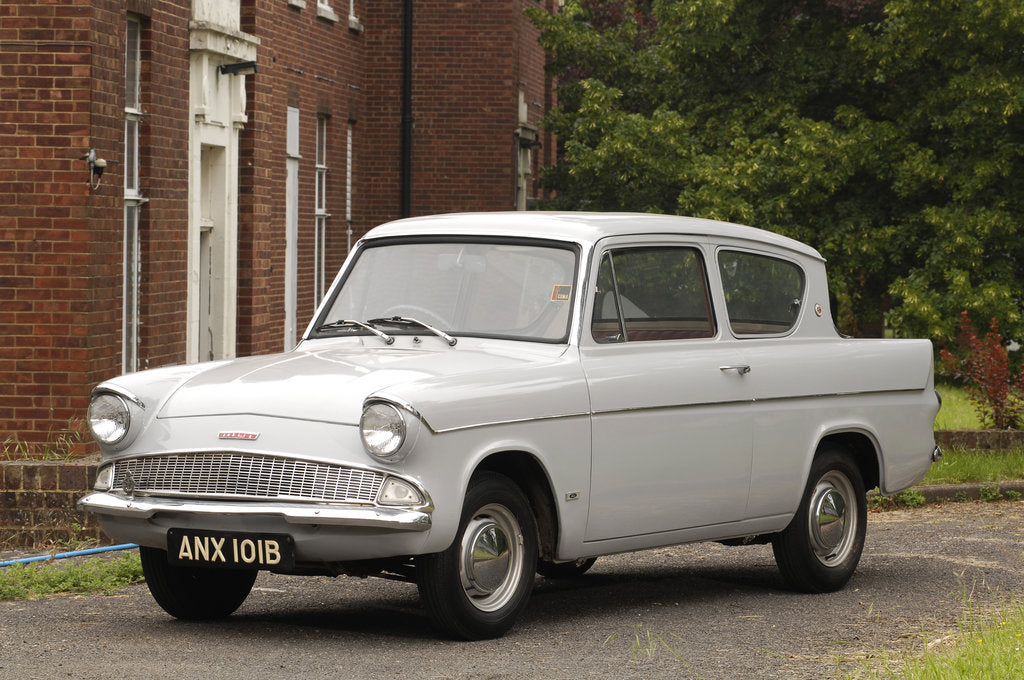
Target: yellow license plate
<point x="234" y="550"/>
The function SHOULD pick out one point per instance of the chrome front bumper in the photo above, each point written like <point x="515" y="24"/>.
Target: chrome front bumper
<point x="399" y="519"/>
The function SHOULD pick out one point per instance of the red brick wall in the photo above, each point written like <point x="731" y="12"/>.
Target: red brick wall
<point x="62" y="88"/>
<point x="163" y="159"/>
<point x="46" y="61"/>
<point x="314" y="65"/>
<point x="470" y="60"/>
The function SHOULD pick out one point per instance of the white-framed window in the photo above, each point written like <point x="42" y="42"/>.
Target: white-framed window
<point x="133" y="199"/>
<point x="353" y="19"/>
<point x="320" y="255"/>
<point x="291" y="246"/>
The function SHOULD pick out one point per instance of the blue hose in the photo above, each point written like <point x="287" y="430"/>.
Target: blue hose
<point x="73" y="553"/>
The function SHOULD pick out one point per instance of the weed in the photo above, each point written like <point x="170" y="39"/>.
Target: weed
<point x="645" y="643"/>
<point x="64" y="444"/>
<point x="878" y="502"/>
<point x="911" y="498"/>
<point x="95" y="575"/>
<point x="990" y="492"/>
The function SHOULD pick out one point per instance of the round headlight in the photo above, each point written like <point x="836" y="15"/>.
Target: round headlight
<point x="109" y="418"/>
<point x="383" y="429"/>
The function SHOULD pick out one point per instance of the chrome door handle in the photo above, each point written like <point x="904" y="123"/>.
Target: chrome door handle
<point x="740" y="368"/>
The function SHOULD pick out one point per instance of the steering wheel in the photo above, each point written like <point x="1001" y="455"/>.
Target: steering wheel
<point x="418" y="313"/>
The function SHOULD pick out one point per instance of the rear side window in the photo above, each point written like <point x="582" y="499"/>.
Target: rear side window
<point x="646" y="294"/>
<point x="763" y="294"/>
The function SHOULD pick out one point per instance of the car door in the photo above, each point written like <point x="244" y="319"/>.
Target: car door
<point x="671" y="437"/>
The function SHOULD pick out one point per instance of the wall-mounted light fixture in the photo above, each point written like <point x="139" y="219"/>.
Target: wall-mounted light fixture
<point x="96" y="168"/>
<point x="239" y="68"/>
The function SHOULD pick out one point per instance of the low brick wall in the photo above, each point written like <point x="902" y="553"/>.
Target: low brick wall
<point x="37" y="503"/>
<point x="980" y="440"/>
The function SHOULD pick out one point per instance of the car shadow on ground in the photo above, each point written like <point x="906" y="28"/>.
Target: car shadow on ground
<point x="370" y="608"/>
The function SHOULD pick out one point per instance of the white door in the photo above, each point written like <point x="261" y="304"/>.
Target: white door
<point x="671" y="434"/>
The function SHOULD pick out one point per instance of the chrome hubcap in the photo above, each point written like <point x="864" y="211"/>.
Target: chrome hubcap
<point x="491" y="561"/>
<point x="832" y="528"/>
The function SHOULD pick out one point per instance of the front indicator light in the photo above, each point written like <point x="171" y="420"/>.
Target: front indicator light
<point x="399" y="492"/>
<point x="104" y="478"/>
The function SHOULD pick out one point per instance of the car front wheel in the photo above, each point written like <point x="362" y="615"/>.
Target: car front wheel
<point x="476" y="588"/>
<point x="819" y="550"/>
<point x="193" y="593"/>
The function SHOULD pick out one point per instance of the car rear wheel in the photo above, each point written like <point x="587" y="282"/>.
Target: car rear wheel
<point x="192" y="593"/>
<point x="476" y="588"/>
<point x="819" y="550"/>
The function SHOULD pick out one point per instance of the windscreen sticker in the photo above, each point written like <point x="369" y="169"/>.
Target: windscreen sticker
<point x="561" y="293"/>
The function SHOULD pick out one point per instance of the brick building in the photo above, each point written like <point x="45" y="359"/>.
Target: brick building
<point x="239" y="148"/>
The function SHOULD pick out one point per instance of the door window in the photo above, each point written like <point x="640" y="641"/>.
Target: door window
<point x="657" y="293"/>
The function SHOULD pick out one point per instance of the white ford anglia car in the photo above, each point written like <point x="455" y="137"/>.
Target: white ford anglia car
<point x="482" y="397"/>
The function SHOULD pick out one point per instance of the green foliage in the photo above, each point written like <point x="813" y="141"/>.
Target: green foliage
<point x="95" y="575"/>
<point x="889" y="135"/>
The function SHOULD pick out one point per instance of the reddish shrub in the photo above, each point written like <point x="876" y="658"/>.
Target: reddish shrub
<point x="983" y="365"/>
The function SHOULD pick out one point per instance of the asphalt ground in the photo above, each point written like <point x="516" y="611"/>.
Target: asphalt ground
<point x="692" y="611"/>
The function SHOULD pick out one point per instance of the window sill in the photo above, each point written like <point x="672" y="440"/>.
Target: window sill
<point x="326" y="13"/>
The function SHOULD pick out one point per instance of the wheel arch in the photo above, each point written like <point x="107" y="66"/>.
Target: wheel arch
<point x="863" y="451"/>
<point x="529" y="474"/>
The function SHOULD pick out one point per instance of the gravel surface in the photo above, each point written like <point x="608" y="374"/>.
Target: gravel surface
<point x="695" y="611"/>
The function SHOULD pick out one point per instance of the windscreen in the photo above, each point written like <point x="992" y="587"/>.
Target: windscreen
<point x="507" y="289"/>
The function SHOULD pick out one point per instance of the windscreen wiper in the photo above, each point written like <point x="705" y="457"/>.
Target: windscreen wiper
<point x="408" y="321"/>
<point x="343" y="323"/>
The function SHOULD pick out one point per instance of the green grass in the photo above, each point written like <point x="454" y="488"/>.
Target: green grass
<point x="94" y="575"/>
<point x="985" y="648"/>
<point x="957" y="412"/>
<point x="959" y="466"/>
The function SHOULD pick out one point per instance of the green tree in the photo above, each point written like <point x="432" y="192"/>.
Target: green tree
<point x="889" y="135"/>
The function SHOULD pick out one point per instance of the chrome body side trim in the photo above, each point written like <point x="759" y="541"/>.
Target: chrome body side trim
<point x="398" y="519"/>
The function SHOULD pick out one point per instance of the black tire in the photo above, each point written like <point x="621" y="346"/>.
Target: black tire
<point x="819" y="550"/>
<point x="477" y="588"/>
<point x="192" y="593"/>
<point x="564" y="570"/>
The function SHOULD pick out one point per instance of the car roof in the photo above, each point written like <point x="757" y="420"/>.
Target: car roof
<point x="585" y="228"/>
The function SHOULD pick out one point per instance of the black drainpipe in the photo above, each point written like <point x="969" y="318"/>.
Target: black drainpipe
<point x="406" y="107"/>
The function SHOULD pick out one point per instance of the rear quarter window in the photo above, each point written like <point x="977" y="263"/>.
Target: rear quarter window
<point x="763" y="294"/>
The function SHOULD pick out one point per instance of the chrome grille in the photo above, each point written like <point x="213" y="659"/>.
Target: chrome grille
<point x="241" y="475"/>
